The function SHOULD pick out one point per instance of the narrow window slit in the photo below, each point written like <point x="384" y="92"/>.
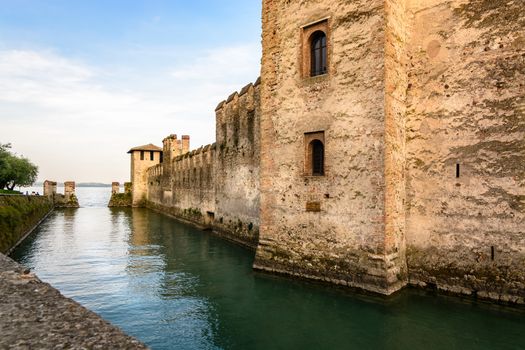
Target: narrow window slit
<point x="492" y="251"/>
<point x="457" y="171"/>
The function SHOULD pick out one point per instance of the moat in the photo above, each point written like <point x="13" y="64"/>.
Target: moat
<point x="175" y="287"/>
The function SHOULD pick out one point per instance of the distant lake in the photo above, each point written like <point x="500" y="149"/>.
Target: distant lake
<point x="87" y="196"/>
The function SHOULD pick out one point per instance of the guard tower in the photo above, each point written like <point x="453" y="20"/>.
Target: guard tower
<point x="142" y="158"/>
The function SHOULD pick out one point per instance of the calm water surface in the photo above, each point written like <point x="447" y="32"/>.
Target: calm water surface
<point x="175" y="287"/>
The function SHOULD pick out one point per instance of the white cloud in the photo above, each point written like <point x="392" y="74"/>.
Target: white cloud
<point x="69" y="116"/>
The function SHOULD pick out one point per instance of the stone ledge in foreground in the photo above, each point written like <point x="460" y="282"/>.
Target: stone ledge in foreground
<point x="34" y="315"/>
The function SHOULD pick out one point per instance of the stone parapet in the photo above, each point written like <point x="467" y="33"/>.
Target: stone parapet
<point x="119" y="200"/>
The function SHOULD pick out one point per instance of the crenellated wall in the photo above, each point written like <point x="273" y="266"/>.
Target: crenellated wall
<point x="183" y="186"/>
<point x="237" y="165"/>
<point x="215" y="186"/>
<point x="420" y="114"/>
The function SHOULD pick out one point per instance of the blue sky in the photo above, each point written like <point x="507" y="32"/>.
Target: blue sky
<point x="83" y="81"/>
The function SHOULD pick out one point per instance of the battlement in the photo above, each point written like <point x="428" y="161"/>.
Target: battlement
<point x="155" y="171"/>
<point x="202" y="149"/>
<point x="245" y="97"/>
<point x="203" y="156"/>
<point x="237" y="120"/>
<point x="413" y="132"/>
<point x="173" y="147"/>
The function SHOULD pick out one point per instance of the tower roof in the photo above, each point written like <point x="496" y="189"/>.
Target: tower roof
<point x="148" y="147"/>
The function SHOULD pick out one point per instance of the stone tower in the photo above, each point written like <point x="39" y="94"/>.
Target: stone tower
<point x="142" y="158"/>
<point x="172" y="148"/>
<point x="331" y="147"/>
<point x="392" y="136"/>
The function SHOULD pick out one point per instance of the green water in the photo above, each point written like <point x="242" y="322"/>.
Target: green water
<point x="175" y="287"/>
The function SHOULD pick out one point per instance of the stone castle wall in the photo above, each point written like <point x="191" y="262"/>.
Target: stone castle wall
<point x="215" y="186"/>
<point x="121" y="199"/>
<point x="329" y="227"/>
<point x="414" y="89"/>
<point x="237" y="165"/>
<point x="421" y="114"/>
<point x="183" y="186"/>
<point x="66" y="200"/>
<point x="466" y="108"/>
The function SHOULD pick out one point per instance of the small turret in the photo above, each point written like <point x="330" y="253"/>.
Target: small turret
<point x="142" y="158"/>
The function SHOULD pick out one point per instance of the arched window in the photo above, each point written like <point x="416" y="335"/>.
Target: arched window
<point x="318" y="53"/>
<point x="317" y="157"/>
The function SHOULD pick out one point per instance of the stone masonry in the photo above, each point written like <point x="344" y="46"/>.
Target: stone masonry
<point x="215" y="186"/>
<point x="66" y="200"/>
<point x="420" y="114"/>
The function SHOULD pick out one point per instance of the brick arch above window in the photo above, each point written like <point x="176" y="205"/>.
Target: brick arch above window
<point x="314" y="154"/>
<point x="315" y="52"/>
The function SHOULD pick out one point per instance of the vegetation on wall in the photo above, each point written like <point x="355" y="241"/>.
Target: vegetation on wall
<point x="18" y="215"/>
<point x="120" y="200"/>
<point x="15" y="170"/>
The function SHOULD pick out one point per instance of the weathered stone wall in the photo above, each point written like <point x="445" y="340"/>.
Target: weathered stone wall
<point x="115" y="187"/>
<point x="66" y="200"/>
<point x="466" y="106"/>
<point x="139" y="175"/>
<point x="236" y="178"/>
<point x="421" y="114"/>
<point x="18" y="216"/>
<point x="215" y="186"/>
<point x="186" y="191"/>
<point x="396" y="77"/>
<point x="50" y="188"/>
<point x="329" y="227"/>
<point x="120" y="199"/>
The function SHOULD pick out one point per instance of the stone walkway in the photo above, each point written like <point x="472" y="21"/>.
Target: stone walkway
<point x="34" y="315"/>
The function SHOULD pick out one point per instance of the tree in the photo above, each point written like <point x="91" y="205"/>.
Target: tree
<point x="5" y="166"/>
<point x="14" y="170"/>
<point x="22" y="172"/>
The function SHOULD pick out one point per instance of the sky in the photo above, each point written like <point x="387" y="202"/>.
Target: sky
<point x="81" y="82"/>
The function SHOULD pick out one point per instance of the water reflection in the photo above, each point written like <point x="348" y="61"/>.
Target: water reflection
<point x="175" y="287"/>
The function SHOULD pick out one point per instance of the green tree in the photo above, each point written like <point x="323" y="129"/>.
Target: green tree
<point x="5" y="167"/>
<point x="14" y="170"/>
<point x="22" y="172"/>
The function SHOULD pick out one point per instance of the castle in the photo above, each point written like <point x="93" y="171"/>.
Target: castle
<point x="382" y="146"/>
